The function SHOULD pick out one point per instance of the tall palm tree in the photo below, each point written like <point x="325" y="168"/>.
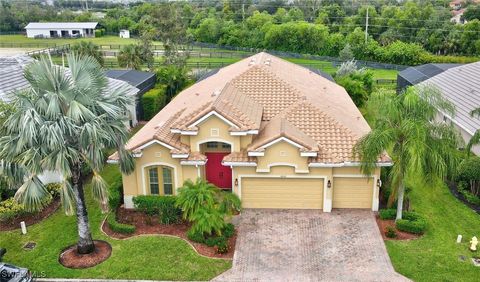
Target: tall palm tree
<point x="404" y="126"/>
<point x="476" y="137"/>
<point x="130" y="57"/>
<point x="65" y="119"/>
<point x="88" y="48"/>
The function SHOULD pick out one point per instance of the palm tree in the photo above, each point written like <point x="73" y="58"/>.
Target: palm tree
<point x="404" y="126"/>
<point x="130" y="57"/>
<point x="194" y="196"/>
<point x="88" y="48"/>
<point x="476" y="137"/>
<point x="66" y="119"/>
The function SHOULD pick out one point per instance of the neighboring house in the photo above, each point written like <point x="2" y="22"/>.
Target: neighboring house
<point x="457" y="16"/>
<point x="460" y="86"/>
<point x="414" y="75"/>
<point x="276" y="134"/>
<point x="11" y="79"/>
<point x="141" y="80"/>
<point x="124" y="33"/>
<point x="457" y="4"/>
<point x="52" y="30"/>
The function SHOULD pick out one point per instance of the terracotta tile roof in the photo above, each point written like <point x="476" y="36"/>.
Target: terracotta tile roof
<point x="280" y="127"/>
<point x="270" y="94"/>
<point x="333" y="138"/>
<point x="261" y="85"/>
<point x="195" y="156"/>
<point x="238" y="108"/>
<point x="241" y="157"/>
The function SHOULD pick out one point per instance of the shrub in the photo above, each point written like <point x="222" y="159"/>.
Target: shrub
<point x="229" y="203"/>
<point x="115" y="196"/>
<point x="469" y="173"/>
<point x="119" y="227"/>
<point x="54" y="189"/>
<point x="153" y="101"/>
<point x="222" y="247"/>
<point x="229" y="230"/>
<point x="195" y="236"/>
<point x="386" y="214"/>
<point x="98" y="33"/>
<point x="164" y="206"/>
<point x="412" y="223"/>
<point x="10" y="209"/>
<point x="391" y="232"/>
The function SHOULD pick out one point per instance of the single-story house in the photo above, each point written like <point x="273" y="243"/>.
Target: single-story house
<point x="457" y="16"/>
<point x="53" y="29"/>
<point x="461" y="86"/>
<point x="275" y="133"/>
<point x="414" y="75"/>
<point x="141" y="80"/>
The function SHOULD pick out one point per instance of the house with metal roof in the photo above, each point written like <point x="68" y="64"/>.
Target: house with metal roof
<point x="56" y="29"/>
<point x="141" y="80"/>
<point x="415" y="75"/>
<point x="277" y="134"/>
<point x="461" y="86"/>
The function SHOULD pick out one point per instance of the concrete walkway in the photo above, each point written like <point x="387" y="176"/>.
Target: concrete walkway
<point x="307" y="245"/>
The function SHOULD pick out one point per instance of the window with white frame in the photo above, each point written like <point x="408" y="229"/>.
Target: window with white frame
<point x="153" y="180"/>
<point x="167" y="181"/>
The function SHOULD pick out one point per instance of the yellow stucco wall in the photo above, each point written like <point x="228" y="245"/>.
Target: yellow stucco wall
<point x="282" y="154"/>
<point x="205" y="134"/>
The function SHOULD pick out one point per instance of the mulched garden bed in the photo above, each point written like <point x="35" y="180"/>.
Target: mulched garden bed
<point x="150" y="225"/>
<point x="383" y="224"/>
<point x="30" y="219"/>
<point x="452" y="186"/>
<point x="70" y="258"/>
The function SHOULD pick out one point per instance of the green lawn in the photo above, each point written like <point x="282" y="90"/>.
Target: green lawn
<point x="154" y="257"/>
<point x="22" y="39"/>
<point x="435" y="256"/>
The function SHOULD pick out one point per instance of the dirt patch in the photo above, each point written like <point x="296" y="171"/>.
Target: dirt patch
<point x="30" y="219"/>
<point x="151" y="225"/>
<point x="383" y="224"/>
<point x="72" y="259"/>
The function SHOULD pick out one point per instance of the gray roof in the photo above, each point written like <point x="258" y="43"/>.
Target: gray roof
<point x="11" y="79"/>
<point x="138" y="79"/>
<point x="420" y="73"/>
<point x="460" y="86"/>
<point x="61" y="25"/>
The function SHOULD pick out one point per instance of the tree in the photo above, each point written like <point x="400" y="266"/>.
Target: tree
<point x="346" y="54"/>
<point x="472" y="12"/>
<point x="193" y="197"/>
<point x="174" y="77"/>
<point x="476" y="136"/>
<point x="61" y="122"/>
<point x="405" y="126"/>
<point x="130" y="57"/>
<point x="88" y="48"/>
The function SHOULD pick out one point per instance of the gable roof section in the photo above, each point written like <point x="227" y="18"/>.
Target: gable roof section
<point x="238" y="109"/>
<point x="279" y="128"/>
<point x="417" y="74"/>
<point x="460" y="86"/>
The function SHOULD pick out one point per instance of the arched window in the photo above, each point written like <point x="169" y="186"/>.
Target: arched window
<point x="160" y="180"/>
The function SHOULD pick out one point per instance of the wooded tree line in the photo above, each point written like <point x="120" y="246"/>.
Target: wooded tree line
<point x="409" y="32"/>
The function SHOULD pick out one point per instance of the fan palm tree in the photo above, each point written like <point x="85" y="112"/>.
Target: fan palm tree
<point x="476" y="137"/>
<point x="65" y="119"/>
<point x="88" y="48"/>
<point x="130" y="57"/>
<point x="404" y="126"/>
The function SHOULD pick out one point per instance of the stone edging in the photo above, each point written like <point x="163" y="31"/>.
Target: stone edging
<point x="161" y="235"/>
<point x="91" y="280"/>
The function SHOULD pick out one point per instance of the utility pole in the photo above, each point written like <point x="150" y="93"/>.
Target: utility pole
<point x="243" y="13"/>
<point x="366" y="27"/>
<point x="86" y="4"/>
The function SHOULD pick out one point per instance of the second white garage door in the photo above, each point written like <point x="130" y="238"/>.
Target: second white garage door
<point x="282" y="193"/>
<point x="350" y="192"/>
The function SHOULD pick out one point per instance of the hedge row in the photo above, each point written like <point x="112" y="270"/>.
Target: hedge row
<point x="119" y="227"/>
<point x="153" y="101"/>
<point x="411" y="222"/>
<point x="163" y="206"/>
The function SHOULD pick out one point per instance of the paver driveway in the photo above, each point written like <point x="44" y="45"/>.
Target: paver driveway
<point x="307" y="245"/>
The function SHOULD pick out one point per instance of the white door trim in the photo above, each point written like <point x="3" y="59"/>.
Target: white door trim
<point x="326" y="206"/>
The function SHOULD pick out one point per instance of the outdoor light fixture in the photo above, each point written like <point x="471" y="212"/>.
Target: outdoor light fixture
<point x="236" y="181"/>
<point x="379" y="183"/>
<point x="329" y="184"/>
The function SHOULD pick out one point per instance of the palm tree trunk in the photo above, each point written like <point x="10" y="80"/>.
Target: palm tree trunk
<point x="401" y="192"/>
<point x="85" y="243"/>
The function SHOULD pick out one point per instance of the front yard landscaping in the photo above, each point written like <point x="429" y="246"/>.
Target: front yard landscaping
<point x="436" y="256"/>
<point x="146" y="257"/>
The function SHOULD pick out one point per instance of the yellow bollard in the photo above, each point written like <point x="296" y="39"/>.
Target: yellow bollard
<point x="474" y="243"/>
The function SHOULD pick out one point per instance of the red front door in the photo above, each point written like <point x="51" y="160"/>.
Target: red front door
<point x="216" y="173"/>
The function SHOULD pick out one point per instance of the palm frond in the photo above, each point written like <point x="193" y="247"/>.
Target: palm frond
<point x="100" y="191"/>
<point x="475" y="140"/>
<point x="32" y="194"/>
<point x="67" y="198"/>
